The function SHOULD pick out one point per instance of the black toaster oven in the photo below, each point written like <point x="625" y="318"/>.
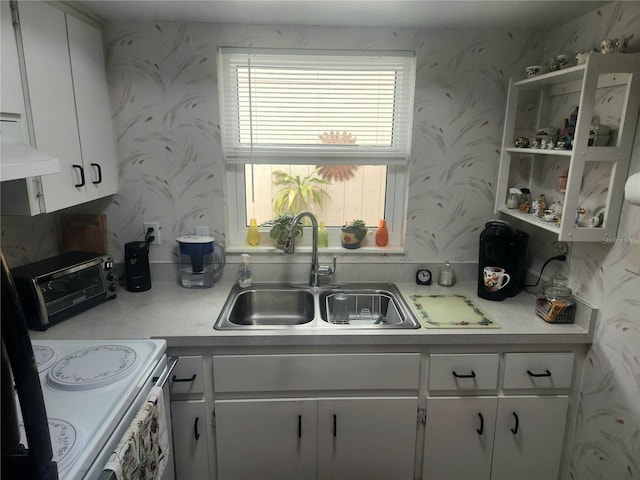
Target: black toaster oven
<point x="59" y="287"/>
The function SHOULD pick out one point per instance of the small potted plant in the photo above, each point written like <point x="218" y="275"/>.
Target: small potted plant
<point x="280" y="228"/>
<point x="352" y="234"/>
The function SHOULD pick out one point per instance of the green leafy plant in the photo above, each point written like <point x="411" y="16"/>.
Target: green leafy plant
<point x="280" y="228"/>
<point x="298" y="193"/>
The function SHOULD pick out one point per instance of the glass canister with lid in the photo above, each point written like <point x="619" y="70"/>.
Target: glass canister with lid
<point x="556" y="303"/>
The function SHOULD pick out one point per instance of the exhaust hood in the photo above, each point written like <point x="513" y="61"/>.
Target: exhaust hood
<point x="17" y="159"/>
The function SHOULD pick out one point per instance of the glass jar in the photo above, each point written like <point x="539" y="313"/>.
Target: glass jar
<point x="513" y="199"/>
<point x="525" y="200"/>
<point x="446" y="275"/>
<point x="556" y="303"/>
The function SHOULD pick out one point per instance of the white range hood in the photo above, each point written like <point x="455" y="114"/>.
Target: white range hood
<point x="17" y="159"/>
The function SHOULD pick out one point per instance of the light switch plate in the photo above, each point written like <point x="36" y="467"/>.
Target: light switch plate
<point x="633" y="255"/>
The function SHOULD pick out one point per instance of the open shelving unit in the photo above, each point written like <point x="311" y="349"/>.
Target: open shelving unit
<point x="606" y="90"/>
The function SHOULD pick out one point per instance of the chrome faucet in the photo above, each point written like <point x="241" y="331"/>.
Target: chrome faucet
<point x="317" y="270"/>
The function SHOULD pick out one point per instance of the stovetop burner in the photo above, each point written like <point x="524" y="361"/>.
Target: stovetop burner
<point x="45" y="357"/>
<point x="66" y="442"/>
<point x="92" y="367"/>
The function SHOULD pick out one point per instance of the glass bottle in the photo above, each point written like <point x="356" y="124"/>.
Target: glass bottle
<point x="382" y="234"/>
<point x="323" y="236"/>
<point x="253" y="234"/>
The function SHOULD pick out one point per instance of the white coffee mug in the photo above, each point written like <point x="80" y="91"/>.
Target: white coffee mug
<point x="495" y="278"/>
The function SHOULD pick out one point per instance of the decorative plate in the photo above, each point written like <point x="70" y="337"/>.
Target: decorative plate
<point x="92" y="367"/>
<point x="45" y="357"/>
<point x="66" y="442"/>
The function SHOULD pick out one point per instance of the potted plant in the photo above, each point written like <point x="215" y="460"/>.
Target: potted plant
<point x="352" y="234"/>
<point x="280" y="228"/>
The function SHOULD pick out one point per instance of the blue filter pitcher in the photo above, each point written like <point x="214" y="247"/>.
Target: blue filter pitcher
<point x="201" y="260"/>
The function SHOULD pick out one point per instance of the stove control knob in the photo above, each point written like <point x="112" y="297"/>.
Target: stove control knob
<point x="111" y="276"/>
<point x="113" y="287"/>
<point x="109" y="265"/>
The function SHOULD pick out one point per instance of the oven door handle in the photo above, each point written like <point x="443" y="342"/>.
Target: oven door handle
<point x="166" y="373"/>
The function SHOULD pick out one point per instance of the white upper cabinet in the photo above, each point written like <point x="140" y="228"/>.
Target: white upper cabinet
<point x="606" y="92"/>
<point x="11" y="99"/>
<point x="69" y="106"/>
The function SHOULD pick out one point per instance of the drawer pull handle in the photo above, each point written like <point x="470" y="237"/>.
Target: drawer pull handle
<point x="196" y="434"/>
<point x="176" y="379"/>
<point x="299" y="426"/>
<point x="81" y="170"/>
<point x="514" y="430"/>
<point x="99" y="180"/>
<point x="468" y="375"/>
<point x="335" y="425"/>
<point x="481" y="429"/>
<point x="546" y="373"/>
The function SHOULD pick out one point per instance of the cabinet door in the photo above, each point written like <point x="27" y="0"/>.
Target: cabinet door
<point x="46" y="57"/>
<point x="529" y="437"/>
<point x="366" y="438"/>
<point x="189" y="422"/>
<point x="459" y="438"/>
<point x="11" y="99"/>
<point x="93" y="109"/>
<point x="266" y="439"/>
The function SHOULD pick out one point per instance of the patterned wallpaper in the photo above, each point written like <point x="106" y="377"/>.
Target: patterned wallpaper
<point x="164" y="99"/>
<point x="607" y="443"/>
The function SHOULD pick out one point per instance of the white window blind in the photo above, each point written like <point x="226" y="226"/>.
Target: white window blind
<point x="304" y="106"/>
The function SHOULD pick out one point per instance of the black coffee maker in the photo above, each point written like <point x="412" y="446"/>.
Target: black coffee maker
<point x="502" y="246"/>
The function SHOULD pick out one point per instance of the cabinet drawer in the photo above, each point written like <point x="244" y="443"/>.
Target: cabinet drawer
<point x="538" y="370"/>
<point x="463" y="372"/>
<point x="263" y="373"/>
<point x="187" y="376"/>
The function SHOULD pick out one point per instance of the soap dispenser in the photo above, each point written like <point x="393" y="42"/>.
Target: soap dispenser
<point x="245" y="272"/>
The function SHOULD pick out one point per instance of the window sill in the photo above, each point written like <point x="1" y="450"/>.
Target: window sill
<point x="270" y="250"/>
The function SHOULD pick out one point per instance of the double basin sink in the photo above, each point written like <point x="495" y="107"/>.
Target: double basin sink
<point x="278" y="306"/>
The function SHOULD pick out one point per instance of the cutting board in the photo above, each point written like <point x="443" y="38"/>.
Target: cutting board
<point x="449" y="311"/>
<point x="85" y="232"/>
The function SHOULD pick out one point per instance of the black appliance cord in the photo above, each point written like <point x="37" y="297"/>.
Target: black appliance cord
<point x="562" y="258"/>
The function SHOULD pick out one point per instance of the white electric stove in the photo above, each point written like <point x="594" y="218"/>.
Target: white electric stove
<point x="92" y="390"/>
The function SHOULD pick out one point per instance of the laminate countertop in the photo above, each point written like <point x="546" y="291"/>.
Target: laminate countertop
<point x="185" y="318"/>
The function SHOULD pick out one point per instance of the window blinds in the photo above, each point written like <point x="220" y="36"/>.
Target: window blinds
<point x="319" y="107"/>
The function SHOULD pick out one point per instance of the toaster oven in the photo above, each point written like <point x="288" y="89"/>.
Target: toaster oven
<point x="59" y="287"/>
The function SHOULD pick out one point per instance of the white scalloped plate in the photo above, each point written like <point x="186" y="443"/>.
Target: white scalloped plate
<point x="92" y="367"/>
<point x="45" y="357"/>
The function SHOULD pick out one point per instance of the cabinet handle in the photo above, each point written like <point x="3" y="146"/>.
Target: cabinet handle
<point x="176" y="379"/>
<point x="546" y="373"/>
<point x="196" y="434"/>
<point x="468" y="375"/>
<point x="96" y="182"/>
<point x="514" y="430"/>
<point x="299" y="426"/>
<point x="81" y="170"/>
<point x="481" y="429"/>
<point x="335" y="425"/>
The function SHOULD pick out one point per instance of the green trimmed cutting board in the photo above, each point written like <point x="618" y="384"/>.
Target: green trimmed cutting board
<point x="449" y="311"/>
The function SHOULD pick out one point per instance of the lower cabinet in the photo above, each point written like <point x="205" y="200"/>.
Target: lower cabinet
<point x="323" y="438"/>
<point x="190" y="439"/>
<point x="482" y="438"/>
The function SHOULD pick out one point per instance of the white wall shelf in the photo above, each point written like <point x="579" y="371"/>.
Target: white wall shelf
<point x="598" y="87"/>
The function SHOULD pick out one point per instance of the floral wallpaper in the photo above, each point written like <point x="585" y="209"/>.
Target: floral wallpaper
<point x="162" y="80"/>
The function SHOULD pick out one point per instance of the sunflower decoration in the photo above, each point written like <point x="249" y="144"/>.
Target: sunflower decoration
<point x="337" y="173"/>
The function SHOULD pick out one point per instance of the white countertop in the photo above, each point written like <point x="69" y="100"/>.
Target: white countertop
<point x="185" y="318"/>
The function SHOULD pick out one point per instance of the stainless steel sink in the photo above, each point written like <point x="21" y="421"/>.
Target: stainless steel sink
<point x="278" y="306"/>
<point x="272" y="306"/>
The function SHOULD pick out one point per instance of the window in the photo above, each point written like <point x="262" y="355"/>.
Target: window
<point x="326" y="131"/>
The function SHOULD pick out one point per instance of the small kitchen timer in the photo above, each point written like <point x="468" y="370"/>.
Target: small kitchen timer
<point x="423" y="276"/>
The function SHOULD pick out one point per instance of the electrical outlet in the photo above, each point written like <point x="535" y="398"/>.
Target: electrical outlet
<point x="561" y="248"/>
<point x="202" y="231"/>
<point x="155" y="233"/>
